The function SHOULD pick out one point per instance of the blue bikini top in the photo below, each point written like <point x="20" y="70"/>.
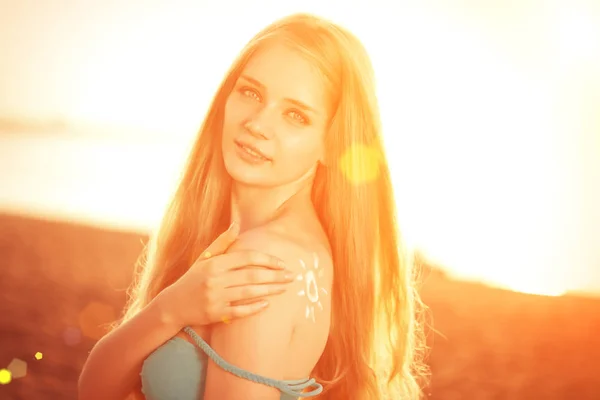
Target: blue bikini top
<point x="175" y="371"/>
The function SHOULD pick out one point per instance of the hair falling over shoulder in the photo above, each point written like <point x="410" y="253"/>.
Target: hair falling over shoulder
<point x="376" y="346"/>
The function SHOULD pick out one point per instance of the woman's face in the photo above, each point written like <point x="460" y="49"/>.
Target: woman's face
<point x="275" y="119"/>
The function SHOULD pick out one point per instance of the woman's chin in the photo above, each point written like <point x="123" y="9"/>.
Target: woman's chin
<point x="246" y="176"/>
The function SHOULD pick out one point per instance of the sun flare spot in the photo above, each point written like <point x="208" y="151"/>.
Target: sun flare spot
<point x="360" y="163"/>
<point x="5" y="376"/>
<point x="17" y="368"/>
<point x="311" y="288"/>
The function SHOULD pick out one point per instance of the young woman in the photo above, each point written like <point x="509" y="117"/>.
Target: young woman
<point x="291" y="152"/>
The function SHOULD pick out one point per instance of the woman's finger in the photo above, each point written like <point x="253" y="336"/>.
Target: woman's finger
<point x="252" y="292"/>
<point x="246" y="258"/>
<point x="245" y="310"/>
<point x="254" y="276"/>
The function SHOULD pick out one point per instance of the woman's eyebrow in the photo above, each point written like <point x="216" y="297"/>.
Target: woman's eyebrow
<point x="252" y="80"/>
<point x="302" y="105"/>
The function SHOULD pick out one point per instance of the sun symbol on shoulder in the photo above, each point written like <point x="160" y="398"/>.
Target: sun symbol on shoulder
<point x="311" y="288"/>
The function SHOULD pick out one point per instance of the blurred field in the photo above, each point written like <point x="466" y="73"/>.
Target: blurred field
<point x="60" y="281"/>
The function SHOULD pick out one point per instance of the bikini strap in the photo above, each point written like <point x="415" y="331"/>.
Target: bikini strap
<point x="291" y="387"/>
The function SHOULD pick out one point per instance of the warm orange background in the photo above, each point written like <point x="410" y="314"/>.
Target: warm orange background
<point x="490" y="113"/>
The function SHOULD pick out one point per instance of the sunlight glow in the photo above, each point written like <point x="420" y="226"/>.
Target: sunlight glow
<point x="484" y="145"/>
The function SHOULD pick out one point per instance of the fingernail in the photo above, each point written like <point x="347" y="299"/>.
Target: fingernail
<point x="263" y="304"/>
<point x="289" y="275"/>
<point x="233" y="226"/>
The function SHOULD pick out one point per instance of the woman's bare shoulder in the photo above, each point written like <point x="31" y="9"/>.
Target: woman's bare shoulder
<point x="301" y="249"/>
<point x="308" y="301"/>
<point x="305" y="255"/>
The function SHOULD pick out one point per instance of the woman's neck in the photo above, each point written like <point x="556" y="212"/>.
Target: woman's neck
<point x="252" y="207"/>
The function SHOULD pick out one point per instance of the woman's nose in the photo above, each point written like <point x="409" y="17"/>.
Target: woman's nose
<point x="254" y="128"/>
<point x="258" y="125"/>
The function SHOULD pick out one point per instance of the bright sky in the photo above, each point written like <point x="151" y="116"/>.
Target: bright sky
<point x="490" y="115"/>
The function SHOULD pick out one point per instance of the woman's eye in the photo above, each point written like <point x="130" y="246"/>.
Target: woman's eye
<point x="298" y="117"/>
<point x="250" y="93"/>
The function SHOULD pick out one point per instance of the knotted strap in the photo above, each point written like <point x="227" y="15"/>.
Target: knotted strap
<point x="291" y="387"/>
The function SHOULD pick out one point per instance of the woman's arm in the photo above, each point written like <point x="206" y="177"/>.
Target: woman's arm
<point x="113" y="366"/>
<point x="261" y="344"/>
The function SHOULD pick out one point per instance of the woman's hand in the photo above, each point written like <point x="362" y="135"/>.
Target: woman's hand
<point x="220" y="287"/>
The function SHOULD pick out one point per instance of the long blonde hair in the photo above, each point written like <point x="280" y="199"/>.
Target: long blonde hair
<point x="376" y="343"/>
